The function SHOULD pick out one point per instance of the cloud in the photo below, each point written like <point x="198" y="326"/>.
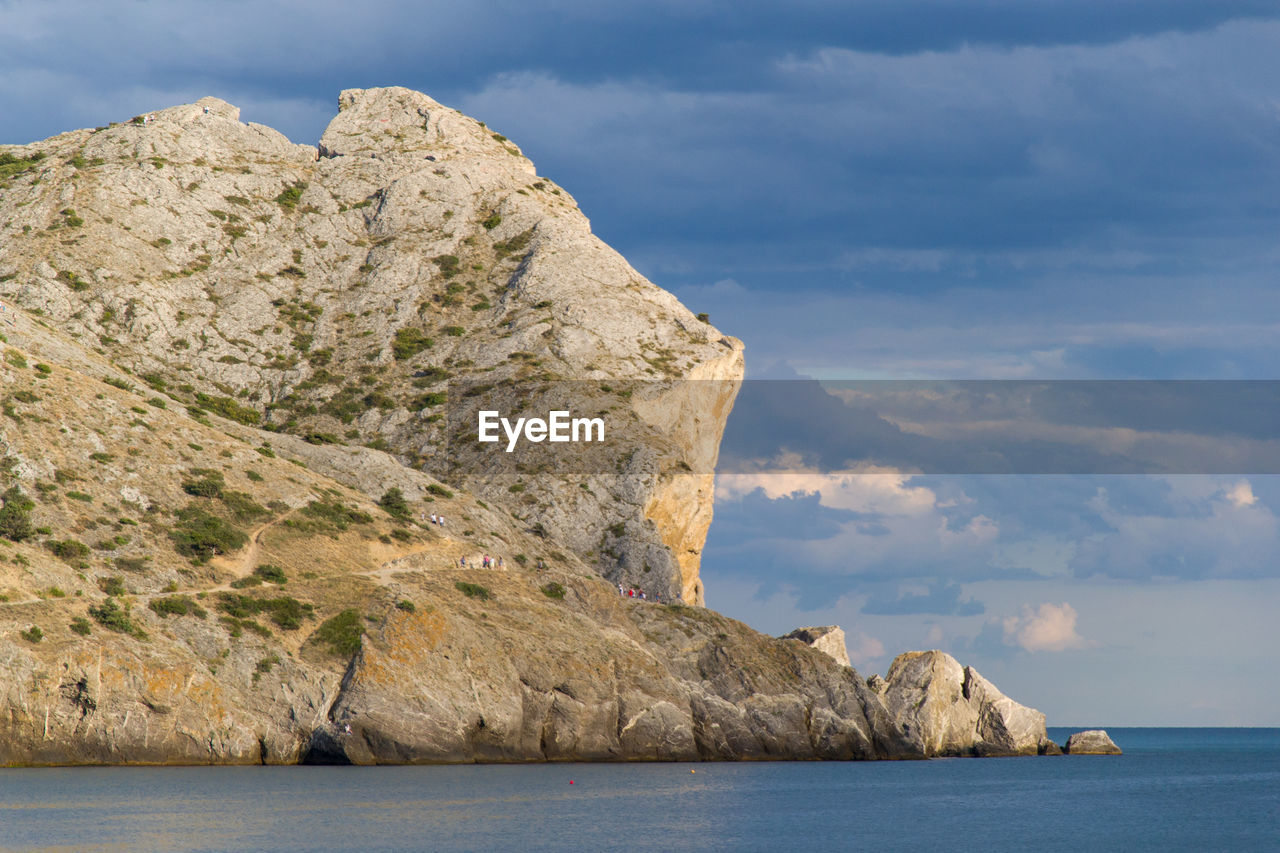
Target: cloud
<point x="1241" y="495"/>
<point x="863" y="649"/>
<point x="940" y="598"/>
<point x="1048" y="628"/>
<point x="1207" y="530"/>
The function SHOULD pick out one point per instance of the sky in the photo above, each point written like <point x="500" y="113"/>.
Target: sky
<point x="885" y="189"/>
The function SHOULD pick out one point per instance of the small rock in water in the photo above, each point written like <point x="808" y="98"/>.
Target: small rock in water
<point x="1091" y="742"/>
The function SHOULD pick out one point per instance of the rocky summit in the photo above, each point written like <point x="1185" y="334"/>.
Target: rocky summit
<point x="241" y="523"/>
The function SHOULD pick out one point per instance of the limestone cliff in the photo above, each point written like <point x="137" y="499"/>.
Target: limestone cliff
<point x="338" y="293"/>
<point x="226" y="362"/>
<point x="824" y="638"/>
<point x="946" y="709"/>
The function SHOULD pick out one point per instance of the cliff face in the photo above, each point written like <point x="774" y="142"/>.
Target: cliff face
<point x="223" y="396"/>
<point x="339" y="293"/>
<point x="946" y="709"/>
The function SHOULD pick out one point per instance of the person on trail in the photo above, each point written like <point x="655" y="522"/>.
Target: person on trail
<point x="462" y="561"/>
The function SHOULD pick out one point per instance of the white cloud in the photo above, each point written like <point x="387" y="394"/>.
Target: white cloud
<point x="863" y="648"/>
<point x="1208" y="529"/>
<point x="1048" y="628"/>
<point x="864" y="488"/>
<point x="1241" y="494"/>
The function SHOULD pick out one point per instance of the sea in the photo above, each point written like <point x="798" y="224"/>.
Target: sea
<point x="1173" y="789"/>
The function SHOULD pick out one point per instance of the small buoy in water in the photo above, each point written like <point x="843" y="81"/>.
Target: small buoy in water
<point x="693" y="771"/>
<point x="570" y="781"/>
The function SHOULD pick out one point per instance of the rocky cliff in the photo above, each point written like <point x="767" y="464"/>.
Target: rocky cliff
<point x="338" y="293"/>
<point x="228" y="363"/>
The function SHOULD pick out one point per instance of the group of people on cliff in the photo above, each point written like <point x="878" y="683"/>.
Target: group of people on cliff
<point x="633" y="592"/>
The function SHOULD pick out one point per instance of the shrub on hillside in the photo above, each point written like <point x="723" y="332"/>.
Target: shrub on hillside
<point x="200" y="535"/>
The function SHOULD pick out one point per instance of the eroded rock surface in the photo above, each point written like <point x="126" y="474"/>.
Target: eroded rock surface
<point x="341" y="293"/>
<point x="948" y="709"/>
<point x="825" y="638"/>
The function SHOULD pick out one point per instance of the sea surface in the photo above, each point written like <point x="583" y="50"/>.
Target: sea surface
<point x="1173" y="789"/>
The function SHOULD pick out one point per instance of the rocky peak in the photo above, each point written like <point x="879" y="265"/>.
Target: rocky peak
<point x="407" y="127"/>
<point x="339" y="297"/>
<point x="828" y="639"/>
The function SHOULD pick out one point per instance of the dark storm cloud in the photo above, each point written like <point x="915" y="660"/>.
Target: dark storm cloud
<point x="895" y="146"/>
<point x="1008" y="427"/>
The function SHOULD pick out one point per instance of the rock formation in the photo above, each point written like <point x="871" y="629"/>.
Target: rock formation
<point x="224" y="395"/>
<point x="946" y="709"/>
<point x="339" y="293"/>
<point x="825" y="638"/>
<point x="1091" y="742"/>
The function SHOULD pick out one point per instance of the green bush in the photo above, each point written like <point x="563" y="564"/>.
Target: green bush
<point x="286" y="612"/>
<point x="516" y="244"/>
<point x="554" y="590"/>
<point x="209" y="484"/>
<point x="80" y="625"/>
<point x="15" y="516"/>
<point x="473" y="590"/>
<point x="448" y="264"/>
<point x="113" y="617"/>
<point x="439" y="491"/>
<point x="229" y="409"/>
<point x="428" y="401"/>
<point x="132" y="564"/>
<point x="409" y="342"/>
<point x="199" y="534"/>
<point x="394" y="503"/>
<point x="32" y="634"/>
<point x="492" y="221"/>
<point x="336" y="513"/>
<point x="264" y="666"/>
<point x="272" y="574"/>
<point x="290" y="196"/>
<point x="67" y="549"/>
<point x="112" y="585"/>
<point x="405" y="605"/>
<point x="177" y="605"/>
<point x="341" y="633"/>
<point x="242" y="506"/>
